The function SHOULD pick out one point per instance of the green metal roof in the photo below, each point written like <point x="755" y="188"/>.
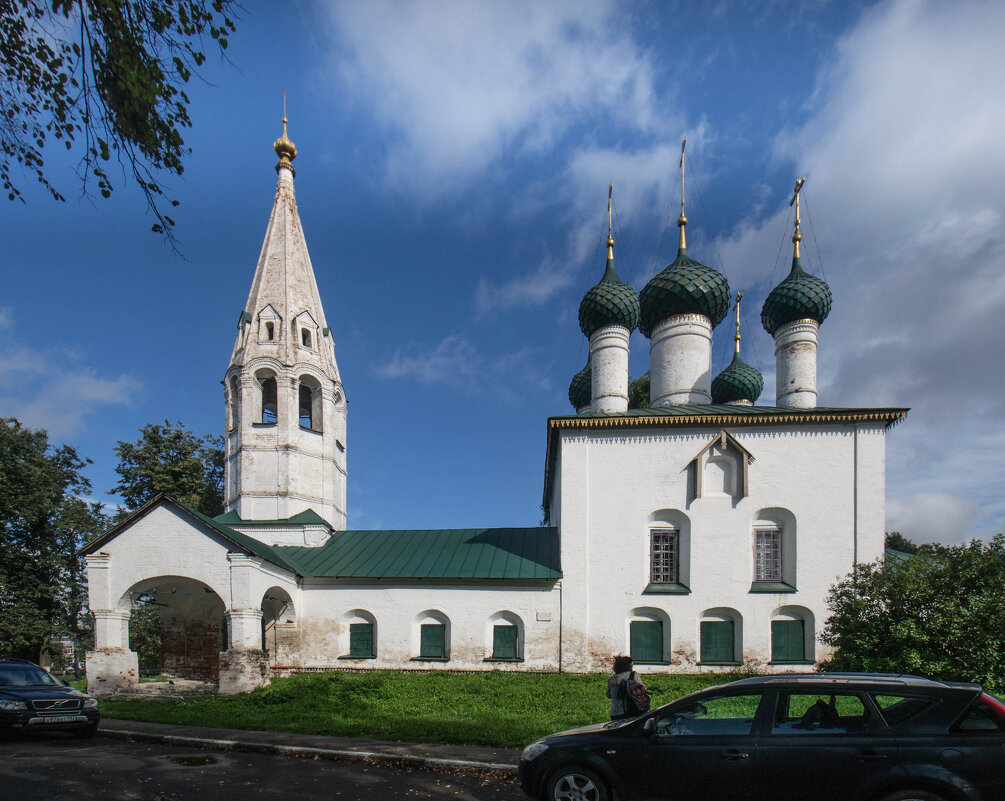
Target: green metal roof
<point x="306" y="517"/>
<point x="466" y="553"/>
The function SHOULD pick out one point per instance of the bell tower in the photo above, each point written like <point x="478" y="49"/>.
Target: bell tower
<point x="286" y="409"/>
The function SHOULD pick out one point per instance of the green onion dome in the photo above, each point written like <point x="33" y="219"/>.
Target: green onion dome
<point x="799" y="296"/>
<point x="581" y="387"/>
<point x="610" y="302"/>
<point x="738" y="382"/>
<point x="684" y="287"/>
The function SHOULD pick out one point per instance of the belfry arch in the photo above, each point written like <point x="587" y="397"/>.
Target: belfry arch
<point x="280" y="635"/>
<point x="193" y="628"/>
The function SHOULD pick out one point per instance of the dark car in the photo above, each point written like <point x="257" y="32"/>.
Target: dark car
<point x="824" y="736"/>
<point x="33" y="699"/>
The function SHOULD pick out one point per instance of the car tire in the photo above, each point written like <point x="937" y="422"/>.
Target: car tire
<point x="86" y="732"/>
<point x="575" y="783"/>
<point x="913" y="795"/>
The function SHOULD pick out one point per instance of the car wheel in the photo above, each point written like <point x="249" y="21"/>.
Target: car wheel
<point x="87" y="731"/>
<point x="913" y="795"/>
<point x="574" y="783"/>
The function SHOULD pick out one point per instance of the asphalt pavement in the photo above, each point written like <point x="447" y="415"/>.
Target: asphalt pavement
<point x="349" y="749"/>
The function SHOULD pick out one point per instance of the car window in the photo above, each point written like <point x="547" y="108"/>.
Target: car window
<point x="25" y="676"/>
<point x="717" y="714"/>
<point x="986" y="713"/>
<point x="898" y="708"/>
<point x="820" y="713"/>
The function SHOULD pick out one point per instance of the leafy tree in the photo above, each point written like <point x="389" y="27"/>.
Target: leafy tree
<point x="43" y="523"/>
<point x="110" y="73"/>
<point x="173" y="460"/>
<point x="940" y="613"/>
<point x="145" y="634"/>
<point x="898" y="542"/>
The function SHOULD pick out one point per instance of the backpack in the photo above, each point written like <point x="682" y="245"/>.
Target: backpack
<point x="633" y="695"/>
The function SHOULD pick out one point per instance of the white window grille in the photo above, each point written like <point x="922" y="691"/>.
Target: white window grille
<point x="767" y="555"/>
<point x="664" y="566"/>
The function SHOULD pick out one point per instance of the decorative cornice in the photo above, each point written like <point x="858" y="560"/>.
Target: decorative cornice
<point x="889" y="416"/>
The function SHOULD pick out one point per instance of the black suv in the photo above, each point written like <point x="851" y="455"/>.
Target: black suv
<point x="824" y="736"/>
<point x="31" y="698"/>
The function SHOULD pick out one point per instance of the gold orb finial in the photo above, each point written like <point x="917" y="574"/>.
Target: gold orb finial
<point x="284" y="147"/>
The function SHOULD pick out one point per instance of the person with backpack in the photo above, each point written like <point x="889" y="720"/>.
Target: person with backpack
<point x="628" y="694"/>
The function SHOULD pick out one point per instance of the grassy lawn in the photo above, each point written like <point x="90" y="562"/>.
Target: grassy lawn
<point x="490" y="709"/>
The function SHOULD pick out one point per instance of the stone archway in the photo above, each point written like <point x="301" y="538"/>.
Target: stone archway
<point x="280" y="636"/>
<point x="192" y="624"/>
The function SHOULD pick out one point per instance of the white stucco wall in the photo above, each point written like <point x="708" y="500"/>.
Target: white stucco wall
<point x="398" y="609"/>
<point x="615" y="485"/>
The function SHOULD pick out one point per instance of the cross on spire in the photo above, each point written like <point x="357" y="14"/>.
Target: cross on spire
<point x="682" y="220"/>
<point x="739" y="297"/>
<point x="797" y="236"/>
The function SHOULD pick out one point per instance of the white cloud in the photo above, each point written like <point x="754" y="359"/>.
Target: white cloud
<point x="457" y="83"/>
<point x="903" y="155"/>
<point x="6" y="318"/>
<point x="932" y="517"/>
<point x="452" y="359"/>
<point x="455" y="361"/>
<point x="52" y="390"/>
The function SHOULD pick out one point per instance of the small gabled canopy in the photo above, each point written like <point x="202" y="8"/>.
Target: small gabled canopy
<point x="725" y="441"/>
<point x="240" y="541"/>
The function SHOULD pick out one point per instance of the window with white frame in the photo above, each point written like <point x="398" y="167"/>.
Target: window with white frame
<point x="767" y="554"/>
<point x="664" y="556"/>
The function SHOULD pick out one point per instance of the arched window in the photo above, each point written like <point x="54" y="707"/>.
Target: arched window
<point x="270" y="331"/>
<point x="506" y="631"/>
<point x="235" y="403"/>
<point x="270" y="400"/>
<point x="774" y="551"/>
<point x="362" y="634"/>
<point x="433" y="630"/>
<point x="309" y="403"/>
<point x="721" y="637"/>
<point x="305" y="337"/>
<point x="648" y="636"/>
<point x="792" y="636"/>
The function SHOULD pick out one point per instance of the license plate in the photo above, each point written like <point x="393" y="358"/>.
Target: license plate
<point x="59" y="719"/>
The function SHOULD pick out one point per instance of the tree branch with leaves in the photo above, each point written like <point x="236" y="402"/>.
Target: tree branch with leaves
<point x="109" y="74"/>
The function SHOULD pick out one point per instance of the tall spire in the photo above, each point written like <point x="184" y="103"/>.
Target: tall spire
<point x="682" y="220"/>
<point x="286" y="405"/>
<point x="736" y="337"/>
<point x="284" y="147"/>
<point x="797" y="237"/>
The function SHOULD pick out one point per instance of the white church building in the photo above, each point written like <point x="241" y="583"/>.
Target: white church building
<point x="699" y="532"/>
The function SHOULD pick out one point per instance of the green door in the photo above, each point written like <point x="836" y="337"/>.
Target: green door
<point x="361" y="640"/>
<point x="433" y="641"/>
<point x="504" y="642"/>
<point x="787" y="641"/>
<point x="646" y="641"/>
<point x="717" y="641"/>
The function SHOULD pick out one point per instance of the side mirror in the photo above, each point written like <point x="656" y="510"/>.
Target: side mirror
<point x="649" y="727"/>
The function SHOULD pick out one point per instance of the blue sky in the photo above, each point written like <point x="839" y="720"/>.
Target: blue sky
<point x="452" y="183"/>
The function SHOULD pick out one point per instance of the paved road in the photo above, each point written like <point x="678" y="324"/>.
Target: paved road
<point x="55" y="767"/>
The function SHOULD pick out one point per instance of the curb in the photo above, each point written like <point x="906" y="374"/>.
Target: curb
<point x="342" y="755"/>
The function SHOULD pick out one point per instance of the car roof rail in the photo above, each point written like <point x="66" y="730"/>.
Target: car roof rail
<point x="18" y="660"/>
